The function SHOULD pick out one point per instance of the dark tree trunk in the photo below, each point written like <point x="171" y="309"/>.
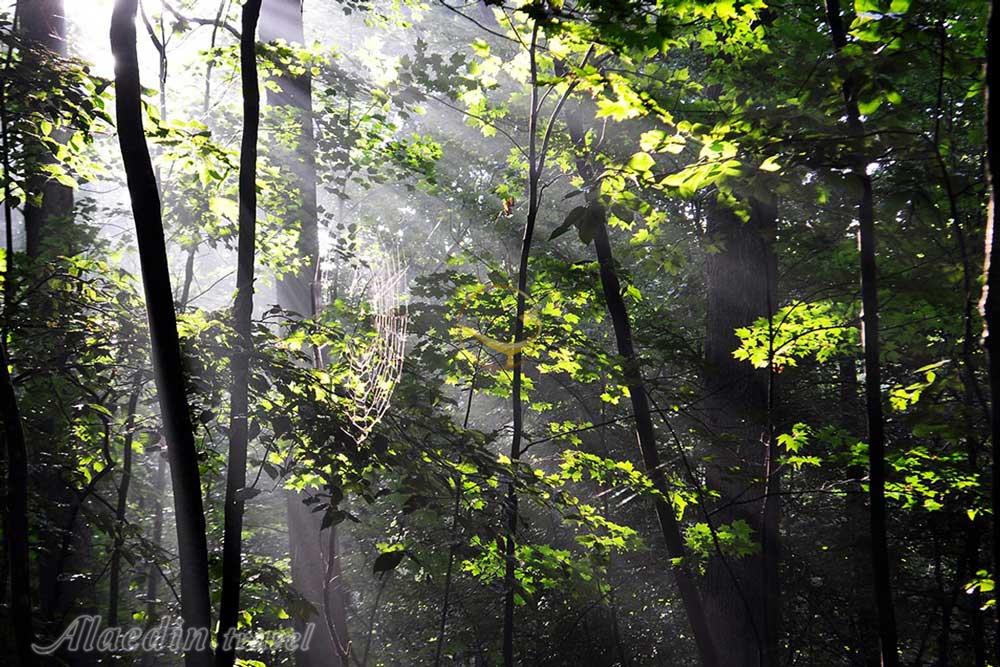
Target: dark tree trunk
<point x="646" y="438"/>
<point x="990" y="308"/>
<point x="43" y="24"/>
<point x="873" y="369"/>
<point x="299" y="292"/>
<point x="16" y="528"/>
<point x="739" y="600"/>
<point x="517" y="408"/>
<point x="236" y="475"/>
<point x="166" y="353"/>
<point x="708" y="652"/>
<point x="865" y="652"/>
<point x="120" y="510"/>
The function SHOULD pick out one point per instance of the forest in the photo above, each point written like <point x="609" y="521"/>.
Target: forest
<point x="357" y="333"/>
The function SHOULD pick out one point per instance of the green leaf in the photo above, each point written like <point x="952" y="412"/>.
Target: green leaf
<point x="770" y="164"/>
<point x="641" y="162"/>
<point x="868" y="107"/>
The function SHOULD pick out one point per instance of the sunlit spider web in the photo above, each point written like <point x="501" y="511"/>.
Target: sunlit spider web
<point x="376" y="361"/>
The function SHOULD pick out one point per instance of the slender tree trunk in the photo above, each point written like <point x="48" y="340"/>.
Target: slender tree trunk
<point x="456" y="514"/>
<point x="510" y="505"/>
<point x="166" y="353"/>
<point x="236" y="475"/>
<point x="708" y="652"/>
<point x="299" y="292"/>
<point x="646" y="439"/>
<point x="873" y="369"/>
<point x="15" y="511"/>
<point x="991" y="289"/>
<point x="8" y="300"/>
<point x="114" y="593"/>
<point x="153" y="575"/>
<point x="16" y="530"/>
<point x="865" y="652"/>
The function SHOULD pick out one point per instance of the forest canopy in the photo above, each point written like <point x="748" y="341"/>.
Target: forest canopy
<point x="349" y="333"/>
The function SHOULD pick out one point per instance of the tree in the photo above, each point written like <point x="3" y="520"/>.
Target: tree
<point x="991" y="284"/>
<point x="166" y="354"/>
<point x="44" y="25"/>
<point x="870" y="341"/>
<point x="298" y="291"/>
<point x="16" y="535"/>
<point x="556" y="450"/>
<point x="236" y="476"/>
<point x="740" y="283"/>
<point x="594" y="220"/>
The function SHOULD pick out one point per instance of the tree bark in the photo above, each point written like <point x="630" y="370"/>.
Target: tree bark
<point x="708" y="652"/>
<point x="120" y="510"/>
<point x="16" y="528"/>
<point x="43" y="24"/>
<point x="236" y="473"/>
<point x="873" y="370"/>
<point x="166" y="353"/>
<point x="865" y="651"/>
<point x="739" y="602"/>
<point x="299" y="292"/>
<point x="517" y="408"/>
<point x="991" y="288"/>
<point x="153" y="574"/>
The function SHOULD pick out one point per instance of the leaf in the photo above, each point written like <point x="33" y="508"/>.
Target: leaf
<point x="224" y="207"/>
<point x="770" y="164"/>
<point x="97" y="407"/>
<point x="572" y="218"/>
<point x="868" y="107"/>
<point x="588" y="226"/>
<point x="246" y="493"/>
<point x="388" y="561"/>
<point x="332" y="517"/>
<point x="641" y="162"/>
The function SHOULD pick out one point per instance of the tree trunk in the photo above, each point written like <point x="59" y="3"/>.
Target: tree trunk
<point x="708" y="652"/>
<point x="120" y="509"/>
<point x="517" y="408"/>
<point x="153" y="573"/>
<point x="16" y="528"/>
<point x="865" y="652"/>
<point x="991" y="288"/>
<point x="873" y="369"/>
<point x="299" y="292"/>
<point x="739" y="599"/>
<point x="236" y="474"/>
<point x="43" y="24"/>
<point x="166" y="353"/>
<point x="646" y="438"/>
